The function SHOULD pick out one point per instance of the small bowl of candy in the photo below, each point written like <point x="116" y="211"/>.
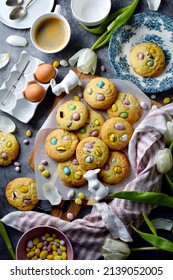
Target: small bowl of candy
<point x="44" y="243"/>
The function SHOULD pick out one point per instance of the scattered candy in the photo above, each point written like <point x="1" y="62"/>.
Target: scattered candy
<point x="70" y="216"/>
<point x="81" y="195"/>
<point x="153" y="96"/>
<point x="70" y="194"/>
<point x="56" y="64"/>
<point x="29" y="133"/>
<point x="16" y="163"/>
<point x="76" y="97"/>
<point x="46" y="173"/>
<point x="44" y="162"/>
<point x="166" y="100"/>
<point x="80" y="94"/>
<point x="143" y="105"/>
<point x="17" y="168"/>
<point x="78" y="201"/>
<point x="41" y="167"/>
<point x="26" y="141"/>
<point x="64" y="63"/>
<point x="103" y="68"/>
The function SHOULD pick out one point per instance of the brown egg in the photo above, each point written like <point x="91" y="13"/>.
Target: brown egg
<point x="45" y="72"/>
<point x="34" y="92"/>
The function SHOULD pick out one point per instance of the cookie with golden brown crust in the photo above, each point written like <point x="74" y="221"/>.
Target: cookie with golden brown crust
<point x="91" y="152"/>
<point x="147" y="59"/>
<point x="115" y="169"/>
<point x="9" y="148"/>
<point x="71" y="115"/>
<point x="21" y="193"/>
<point x="71" y="173"/>
<point x="126" y="106"/>
<point x="100" y="93"/>
<point x="60" y="144"/>
<point x="116" y="133"/>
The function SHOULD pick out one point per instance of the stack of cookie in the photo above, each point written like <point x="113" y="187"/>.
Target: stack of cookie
<point x="94" y="133"/>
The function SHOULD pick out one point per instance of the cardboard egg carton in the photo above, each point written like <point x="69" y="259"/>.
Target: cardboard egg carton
<point x="12" y="99"/>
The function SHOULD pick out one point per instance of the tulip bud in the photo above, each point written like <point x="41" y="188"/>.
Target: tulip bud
<point x="164" y="160"/>
<point x="169" y="132"/>
<point x="115" y="250"/>
<point x="86" y="60"/>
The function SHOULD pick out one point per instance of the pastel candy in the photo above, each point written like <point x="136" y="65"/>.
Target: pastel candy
<point x="126" y="102"/>
<point x="72" y="107"/>
<point x="100" y="84"/>
<point x="75" y="161"/>
<point x="95" y="133"/>
<point x="124" y="138"/>
<point x="66" y="137"/>
<point x="67" y="170"/>
<point x="76" y="116"/>
<point x="141" y="56"/>
<point x="88" y="145"/>
<point x="119" y="126"/>
<point x="100" y="97"/>
<point x="54" y="141"/>
<point x="89" y="159"/>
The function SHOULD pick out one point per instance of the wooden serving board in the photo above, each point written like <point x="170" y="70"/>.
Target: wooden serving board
<point x="65" y="207"/>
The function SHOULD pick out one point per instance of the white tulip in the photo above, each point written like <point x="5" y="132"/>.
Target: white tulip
<point x="153" y="4"/>
<point x="169" y="132"/>
<point x="164" y="160"/>
<point x="115" y="250"/>
<point x="86" y="60"/>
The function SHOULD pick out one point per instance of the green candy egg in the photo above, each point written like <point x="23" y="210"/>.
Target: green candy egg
<point x="123" y="115"/>
<point x="150" y="63"/>
<point x="72" y="107"/>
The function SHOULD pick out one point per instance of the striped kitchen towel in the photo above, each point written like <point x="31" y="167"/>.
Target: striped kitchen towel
<point x="113" y="219"/>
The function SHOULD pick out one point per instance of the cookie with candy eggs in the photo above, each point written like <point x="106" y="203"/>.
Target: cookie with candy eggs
<point x="92" y="126"/>
<point x="91" y="153"/>
<point x="61" y="144"/>
<point x="21" y="193"/>
<point x="115" y="169"/>
<point x="71" y="115"/>
<point x="100" y="93"/>
<point x="147" y="59"/>
<point x="71" y="173"/>
<point x="126" y="106"/>
<point x="9" y="148"/>
<point x="116" y="133"/>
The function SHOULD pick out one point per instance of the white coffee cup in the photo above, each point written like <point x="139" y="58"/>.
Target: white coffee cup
<point x="90" y="12"/>
<point x="50" y="33"/>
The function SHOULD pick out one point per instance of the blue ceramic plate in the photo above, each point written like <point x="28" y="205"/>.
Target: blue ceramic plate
<point x="148" y="27"/>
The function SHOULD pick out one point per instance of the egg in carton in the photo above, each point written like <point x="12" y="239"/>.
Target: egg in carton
<point x="26" y="87"/>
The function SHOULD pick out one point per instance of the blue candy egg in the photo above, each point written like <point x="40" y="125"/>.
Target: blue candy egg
<point x="54" y="141"/>
<point x="100" y="84"/>
<point x="67" y="170"/>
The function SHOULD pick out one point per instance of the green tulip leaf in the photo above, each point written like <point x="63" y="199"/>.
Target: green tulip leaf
<point x="150" y="224"/>
<point x="157" y="241"/>
<point x="152" y="198"/>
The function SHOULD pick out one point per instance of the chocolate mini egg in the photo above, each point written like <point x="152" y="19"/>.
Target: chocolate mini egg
<point x="45" y="72"/>
<point x="34" y="92"/>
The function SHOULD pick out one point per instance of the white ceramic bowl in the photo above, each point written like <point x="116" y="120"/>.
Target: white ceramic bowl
<point x="90" y="12"/>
